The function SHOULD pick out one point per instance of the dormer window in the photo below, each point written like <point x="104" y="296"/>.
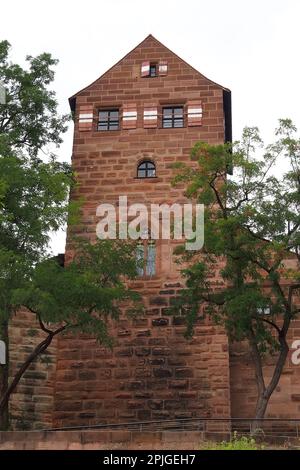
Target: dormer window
<point x="151" y="69"/>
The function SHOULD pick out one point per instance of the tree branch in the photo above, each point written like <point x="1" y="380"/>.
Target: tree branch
<point x="42" y="326"/>
<point x="265" y="320"/>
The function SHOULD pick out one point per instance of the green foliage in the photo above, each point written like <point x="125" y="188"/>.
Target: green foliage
<point x="33" y="190"/>
<point x="252" y="222"/>
<point x="236" y="443"/>
<point x="86" y="293"/>
<point x="251" y="253"/>
<point x="29" y="117"/>
<point x="33" y="202"/>
<point x="34" y="186"/>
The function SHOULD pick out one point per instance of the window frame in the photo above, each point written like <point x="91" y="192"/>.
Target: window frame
<point x="264" y="311"/>
<point x="110" y="122"/>
<point x="143" y="271"/>
<point x="173" y="119"/>
<point x="146" y="169"/>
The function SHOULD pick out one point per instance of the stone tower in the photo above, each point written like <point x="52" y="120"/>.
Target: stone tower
<point x="131" y="125"/>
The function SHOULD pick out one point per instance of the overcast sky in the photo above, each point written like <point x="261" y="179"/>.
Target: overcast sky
<point x="251" y="47"/>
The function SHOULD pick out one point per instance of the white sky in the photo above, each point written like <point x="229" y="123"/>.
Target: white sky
<point x="251" y="47"/>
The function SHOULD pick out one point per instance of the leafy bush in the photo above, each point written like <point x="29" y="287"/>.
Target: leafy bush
<point x="236" y="443"/>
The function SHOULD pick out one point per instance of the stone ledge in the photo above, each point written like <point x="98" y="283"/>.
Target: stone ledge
<point x="101" y="440"/>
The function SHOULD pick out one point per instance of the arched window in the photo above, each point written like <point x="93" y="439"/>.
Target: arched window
<point x="146" y="169"/>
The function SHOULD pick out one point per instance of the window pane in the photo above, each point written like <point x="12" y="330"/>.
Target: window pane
<point x="178" y="111"/>
<point x="178" y="123"/>
<point x="150" y="165"/>
<point x="113" y="115"/>
<point x="152" y="70"/>
<point x="102" y="126"/>
<point x="167" y="123"/>
<point x="151" y="173"/>
<point x="167" y="112"/>
<point x="139" y="257"/>
<point x="141" y="173"/>
<point x="103" y="116"/>
<point x="113" y="126"/>
<point x="150" y="264"/>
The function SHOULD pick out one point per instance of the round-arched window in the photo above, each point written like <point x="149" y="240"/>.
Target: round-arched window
<point x="146" y="169"/>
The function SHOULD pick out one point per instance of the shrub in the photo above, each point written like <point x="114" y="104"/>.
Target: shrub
<point x="236" y="443"/>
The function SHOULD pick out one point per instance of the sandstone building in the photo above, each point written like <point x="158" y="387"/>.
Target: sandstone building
<point x="131" y="125"/>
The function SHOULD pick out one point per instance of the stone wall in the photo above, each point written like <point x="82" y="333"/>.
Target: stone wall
<point x="285" y="401"/>
<point x="101" y="440"/>
<point x="152" y="373"/>
<point x="31" y="406"/>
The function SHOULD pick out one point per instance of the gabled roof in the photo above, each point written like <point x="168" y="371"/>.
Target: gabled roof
<point x="149" y="37"/>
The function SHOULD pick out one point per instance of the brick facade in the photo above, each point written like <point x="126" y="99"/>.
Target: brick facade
<point x="153" y="372"/>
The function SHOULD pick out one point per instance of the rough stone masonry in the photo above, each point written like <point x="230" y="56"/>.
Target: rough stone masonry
<point x="128" y="117"/>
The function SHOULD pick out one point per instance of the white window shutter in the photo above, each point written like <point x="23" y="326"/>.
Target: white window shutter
<point x="85" y="119"/>
<point x="194" y="113"/>
<point x="162" y="67"/>
<point x="129" y="116"/>
<point x="150" y="116"/>
<point x="145" y="69"/>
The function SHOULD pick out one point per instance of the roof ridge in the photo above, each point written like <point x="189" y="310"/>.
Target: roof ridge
<point x="72" y="98"/>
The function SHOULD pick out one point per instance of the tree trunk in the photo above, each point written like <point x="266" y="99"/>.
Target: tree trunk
<point x="261" y="407"/>
<point x="260" y="410"/>
<point x="4" y="375"/>
<point x="265" y="393"/>
<point x="39" y="349"/>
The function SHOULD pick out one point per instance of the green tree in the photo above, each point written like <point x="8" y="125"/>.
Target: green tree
<point x="29" y="118"/>
<point x="33" y="191"/>
<point x="252" y="222"/>
<point x="80" y="297"/>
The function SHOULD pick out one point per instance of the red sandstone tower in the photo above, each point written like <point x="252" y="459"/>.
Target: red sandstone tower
<point x="131" y="125"/>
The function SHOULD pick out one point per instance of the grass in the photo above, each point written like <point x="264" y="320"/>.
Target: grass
<point x="235" y="443"/>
